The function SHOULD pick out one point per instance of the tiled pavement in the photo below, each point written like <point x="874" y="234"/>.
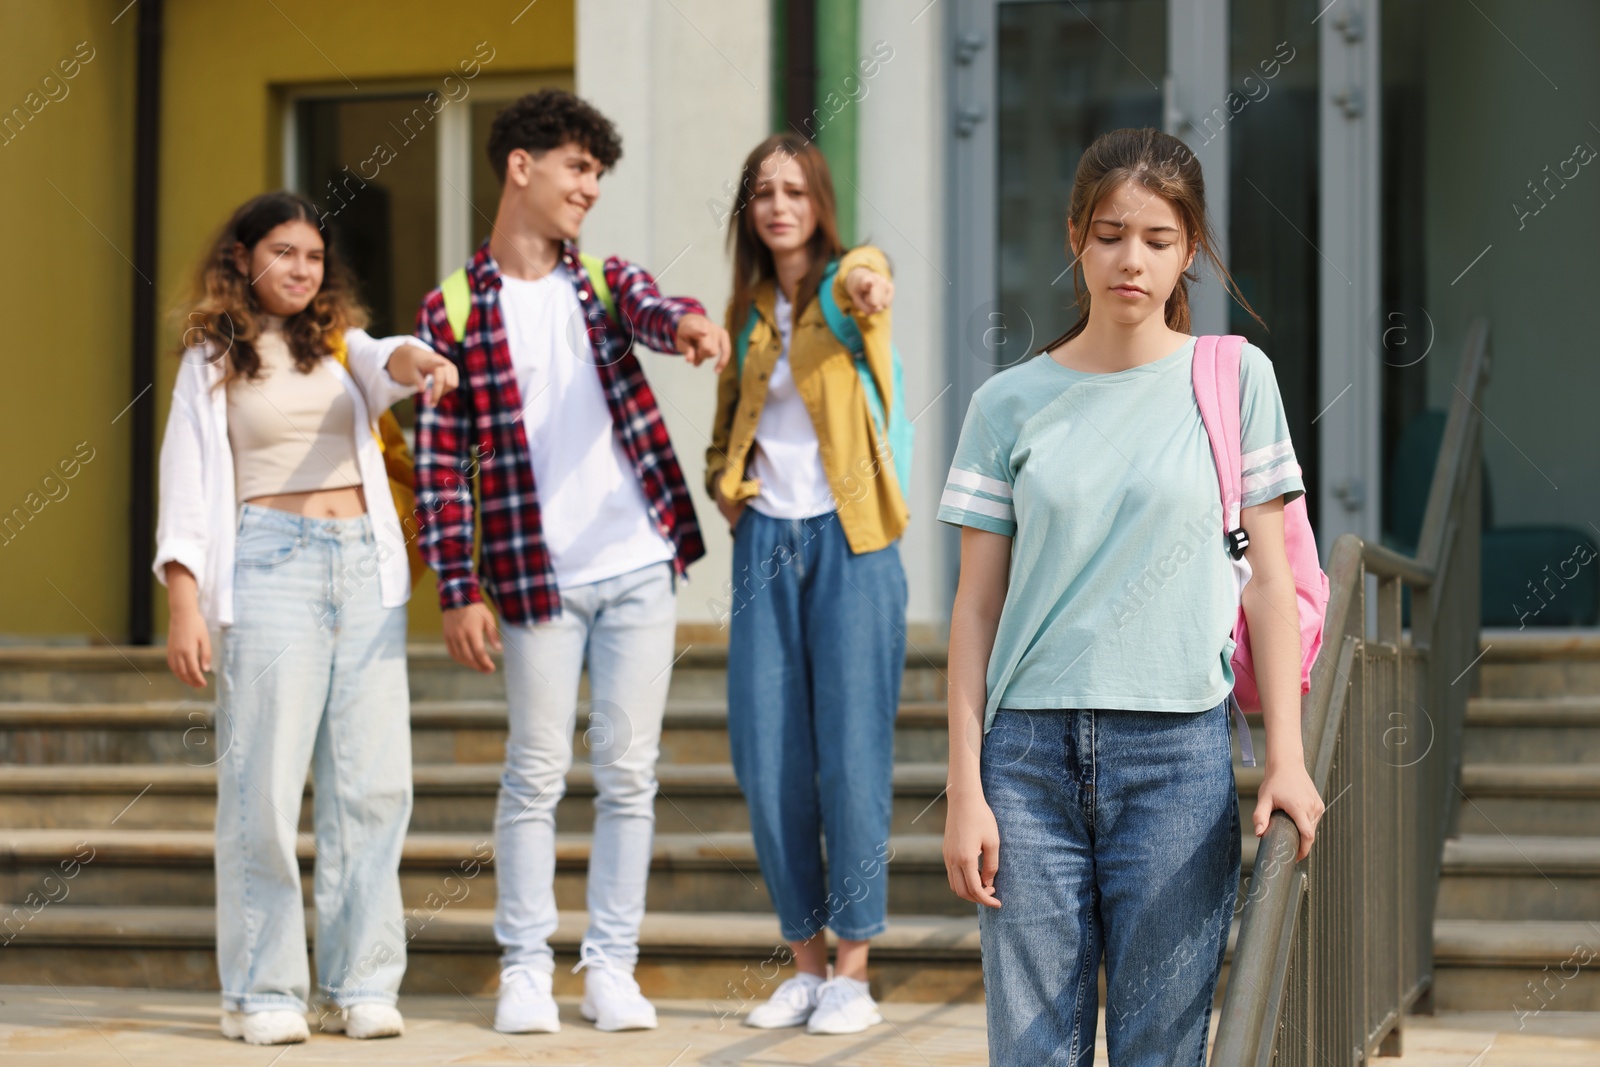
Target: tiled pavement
<point x="87" y="1027"/>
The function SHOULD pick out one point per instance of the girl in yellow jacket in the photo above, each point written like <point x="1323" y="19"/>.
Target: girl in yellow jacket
<point x="817" y="618"/>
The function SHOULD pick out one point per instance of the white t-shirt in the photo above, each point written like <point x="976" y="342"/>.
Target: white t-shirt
<point x="594" y="515"/>
<point x="787" y="460"/>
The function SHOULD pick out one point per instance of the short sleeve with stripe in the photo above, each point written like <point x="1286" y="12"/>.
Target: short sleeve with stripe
<point x="978" y="491"/>
<point x="1268" y="464"/>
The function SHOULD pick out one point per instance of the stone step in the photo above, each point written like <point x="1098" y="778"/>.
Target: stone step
<point x="461" y="731"/>
<point x="135" y="674"/>
<point x="73" y="674"/>
<point x="1502" y="730"/>
<point x="1564" y="730"/>
<point x="1533" y="663"/>
<point x="734" y="958"/>
<point x="1514" y="664"/>
<point x="176" y="868"/>
<point x="1484" y="876"/>
<point x="691" y="798"/>
<point x="1538" y="799"/>
<point x="727" y="957"/>
<point x="1491" y="876"/>
<point x="1522" y="967"/>
<point x="1554" y="729"/>
<point x="447" y="797"/>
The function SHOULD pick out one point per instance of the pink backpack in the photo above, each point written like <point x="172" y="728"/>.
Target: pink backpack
<point x="1216" y="388"/>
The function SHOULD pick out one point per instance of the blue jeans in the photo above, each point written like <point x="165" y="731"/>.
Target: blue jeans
<point x="815" y="656"/>
<point x="1119" y="833"/>
<point x="313" y="675"/>
<point x="626" y="627"/>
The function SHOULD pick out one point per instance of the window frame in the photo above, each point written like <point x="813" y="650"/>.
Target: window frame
<point x="454" y="163"/>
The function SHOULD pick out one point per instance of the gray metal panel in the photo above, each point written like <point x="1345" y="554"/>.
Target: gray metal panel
<point x="973" y="151"/>
<point x="970" y="52"/>
<point x="1349" y="240"/>
<point x="1196" y="89"/>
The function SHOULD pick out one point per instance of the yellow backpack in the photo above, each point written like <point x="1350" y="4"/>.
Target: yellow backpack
<point x="398" y="464"/>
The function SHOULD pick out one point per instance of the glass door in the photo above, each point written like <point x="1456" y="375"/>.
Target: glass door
<point x="1058" y="86"/>
<point x="1033" y="82"/>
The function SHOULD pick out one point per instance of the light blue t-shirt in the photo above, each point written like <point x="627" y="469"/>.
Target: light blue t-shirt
<point x="1122" y="594"/>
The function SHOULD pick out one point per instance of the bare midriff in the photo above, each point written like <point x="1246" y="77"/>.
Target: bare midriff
<point x="348" y="502"/>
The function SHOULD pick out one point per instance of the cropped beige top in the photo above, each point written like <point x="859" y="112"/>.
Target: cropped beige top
<point x="290" y="432"/>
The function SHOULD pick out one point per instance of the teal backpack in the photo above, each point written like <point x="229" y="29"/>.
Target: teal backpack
<point x="900" y="432"/>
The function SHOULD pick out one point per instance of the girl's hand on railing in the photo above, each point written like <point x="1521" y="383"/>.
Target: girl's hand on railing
<point x="971" y="848"/>
<point x="1288" y="788"/>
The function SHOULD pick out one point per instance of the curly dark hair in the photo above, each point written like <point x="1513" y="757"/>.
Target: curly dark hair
<point x="222" y="306"/>
<point x="549" y="119"/>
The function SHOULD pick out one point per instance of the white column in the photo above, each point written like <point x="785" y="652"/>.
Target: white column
<point x="687" y="84"/>
<point x="900" y="208"/>
<point x="454" y="183"/>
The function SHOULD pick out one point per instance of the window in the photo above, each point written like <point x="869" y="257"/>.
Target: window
<point x="406" y="187"/>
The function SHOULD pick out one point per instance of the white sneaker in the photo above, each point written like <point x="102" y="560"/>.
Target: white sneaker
<point x="359" y="1021"/>
<point x="844" y="1006"/>
<point x="790" y="1005"/>
<point x="611" y="998"/>
<point x="276" y="1026"/>
<point x="526" y="1006"/>
<point x="362" y="1021"/>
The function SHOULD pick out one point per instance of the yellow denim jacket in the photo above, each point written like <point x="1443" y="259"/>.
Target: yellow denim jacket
<point x="872" y="508"/>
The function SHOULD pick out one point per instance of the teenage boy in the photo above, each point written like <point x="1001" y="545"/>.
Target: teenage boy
<point x="586" y="527"/>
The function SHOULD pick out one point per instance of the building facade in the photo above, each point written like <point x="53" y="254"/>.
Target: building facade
<point x="1379" y="172"/>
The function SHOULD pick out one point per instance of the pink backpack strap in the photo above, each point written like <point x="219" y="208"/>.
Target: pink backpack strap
<point x="1216" y="388"/>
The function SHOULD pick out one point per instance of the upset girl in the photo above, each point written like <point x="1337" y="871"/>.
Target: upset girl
<point x="278" y="528"/>
<point x="1092" y="804"/>
<point x="817" y="630"/>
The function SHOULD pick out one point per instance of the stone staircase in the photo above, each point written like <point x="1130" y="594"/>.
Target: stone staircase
<point x="1518" y="923"/>
<point x="107" y="796"/>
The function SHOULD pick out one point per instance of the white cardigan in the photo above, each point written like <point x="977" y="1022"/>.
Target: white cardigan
<point x="199" y="515"/>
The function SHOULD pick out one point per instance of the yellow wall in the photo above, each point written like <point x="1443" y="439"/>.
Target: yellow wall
<point x="65" y="180"/>
<point x="227" y="67"/>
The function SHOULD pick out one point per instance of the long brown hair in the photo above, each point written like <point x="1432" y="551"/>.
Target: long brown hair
<point x="222" y="307"/>
<point x="752" y="259"/>
<point x="1166" y="167"/>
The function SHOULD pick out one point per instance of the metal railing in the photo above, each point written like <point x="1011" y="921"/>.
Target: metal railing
<point x="1333" y="950"/>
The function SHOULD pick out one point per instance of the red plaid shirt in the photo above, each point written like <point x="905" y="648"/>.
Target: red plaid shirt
<point x="478" y="428"/>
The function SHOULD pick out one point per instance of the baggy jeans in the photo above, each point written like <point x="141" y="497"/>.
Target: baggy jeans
<point x="1119" y="835"/>
<point x="313" y="675"/>
<point x="816" y="653"/>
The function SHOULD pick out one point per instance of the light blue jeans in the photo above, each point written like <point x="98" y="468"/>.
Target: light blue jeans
<point x="625" y="627"/>
<point x="313" y="675"/>
<point x="816" y="652"/>
<point x="1119" y="834"/>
